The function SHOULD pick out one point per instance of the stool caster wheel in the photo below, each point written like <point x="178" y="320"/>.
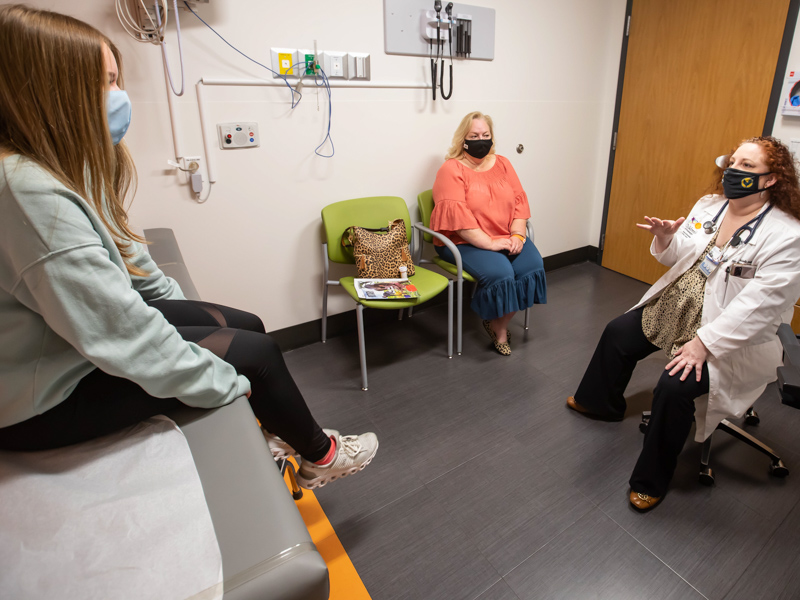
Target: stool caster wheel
<point x="751" y="417"/>
<point x="778" y="469"/>
<point x="645" y="421"/>
<point x="706" y="476"/>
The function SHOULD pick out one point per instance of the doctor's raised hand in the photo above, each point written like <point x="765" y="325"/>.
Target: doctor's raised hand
<point x="734" y="277"/>
<point x="663" y="230"/>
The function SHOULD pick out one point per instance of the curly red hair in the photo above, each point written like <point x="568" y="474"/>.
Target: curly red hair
<point x="785" y="192"/>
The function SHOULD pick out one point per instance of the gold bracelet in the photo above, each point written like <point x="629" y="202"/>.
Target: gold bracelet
<point x="519" y="235"/>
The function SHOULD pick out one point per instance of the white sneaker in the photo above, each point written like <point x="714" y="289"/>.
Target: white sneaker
<point x="280" y="449"/>
<point x="353" y="453"/>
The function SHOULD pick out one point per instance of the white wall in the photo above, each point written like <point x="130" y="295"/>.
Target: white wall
<point x="256" y="243"/>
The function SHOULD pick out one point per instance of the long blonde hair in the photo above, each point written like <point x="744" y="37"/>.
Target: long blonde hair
<point x="457" y="145"/>
<point x="52" y="110"/>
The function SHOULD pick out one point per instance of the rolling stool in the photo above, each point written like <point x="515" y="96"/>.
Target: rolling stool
<point x="706" y="477"/>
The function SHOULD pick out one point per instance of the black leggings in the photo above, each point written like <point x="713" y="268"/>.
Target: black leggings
<point x="102" y="404"/>
<point x="602" y="392"/>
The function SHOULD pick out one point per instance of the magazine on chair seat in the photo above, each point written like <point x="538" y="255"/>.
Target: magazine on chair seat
<point x="386" y="289"/>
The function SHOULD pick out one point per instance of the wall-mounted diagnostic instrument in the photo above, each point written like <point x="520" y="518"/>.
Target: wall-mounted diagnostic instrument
<point x="424" y="28"/>
<point x="411" y="25"/>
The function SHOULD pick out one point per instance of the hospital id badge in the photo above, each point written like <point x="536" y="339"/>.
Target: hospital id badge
<point x="711" y="261"/>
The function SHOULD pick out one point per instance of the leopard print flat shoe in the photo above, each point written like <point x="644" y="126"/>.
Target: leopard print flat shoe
<point x="504" y="348"/>
<point x="487" y="325"/>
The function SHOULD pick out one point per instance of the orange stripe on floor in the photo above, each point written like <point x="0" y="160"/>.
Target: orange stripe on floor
<point x="345" y="581"/>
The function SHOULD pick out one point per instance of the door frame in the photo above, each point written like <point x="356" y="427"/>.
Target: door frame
<point x="769" y="119"/>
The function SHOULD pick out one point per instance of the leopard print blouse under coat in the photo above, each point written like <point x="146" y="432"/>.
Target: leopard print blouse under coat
<point x="673" y="318"/>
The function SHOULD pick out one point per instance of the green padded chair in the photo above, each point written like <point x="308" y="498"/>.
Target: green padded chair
<point x="425" y="204"/>
<point x="374" y="212"/>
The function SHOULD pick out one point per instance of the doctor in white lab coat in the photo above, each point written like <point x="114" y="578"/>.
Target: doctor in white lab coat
<point x="734" y="278"/>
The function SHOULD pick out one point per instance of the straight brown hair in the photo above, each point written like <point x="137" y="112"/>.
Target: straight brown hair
<point x="52" y="111"/>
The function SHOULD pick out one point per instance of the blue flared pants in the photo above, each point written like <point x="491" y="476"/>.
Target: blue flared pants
<point x="506" y="283"/>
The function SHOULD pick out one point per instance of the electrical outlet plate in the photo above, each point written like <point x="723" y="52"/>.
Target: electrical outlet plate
<point x="310" y="64"/>
<point x="188" y="160"/>
<point x="282" y="61"/>
<point x="358" y="66"/>
<point x="335" y="64"/>
<point x="305" y="61"/>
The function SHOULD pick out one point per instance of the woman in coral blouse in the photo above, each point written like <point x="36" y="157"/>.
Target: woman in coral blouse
<point x="479" y="204"/>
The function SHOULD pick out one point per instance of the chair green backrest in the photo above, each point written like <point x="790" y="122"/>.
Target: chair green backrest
<point x="373" y="212"/>
<point x="425" y="204"/>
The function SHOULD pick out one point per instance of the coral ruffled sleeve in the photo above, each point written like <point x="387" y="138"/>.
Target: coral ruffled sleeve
<point x="450" y="211"/>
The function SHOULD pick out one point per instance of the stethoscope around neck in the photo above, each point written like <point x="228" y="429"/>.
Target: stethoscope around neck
<point x="750" y="227"/>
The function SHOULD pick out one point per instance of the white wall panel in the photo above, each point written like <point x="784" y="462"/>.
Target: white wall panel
<point x="255" y="243"/>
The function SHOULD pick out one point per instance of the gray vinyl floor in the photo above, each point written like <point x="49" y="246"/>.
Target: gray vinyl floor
<point x="487" y="487"/>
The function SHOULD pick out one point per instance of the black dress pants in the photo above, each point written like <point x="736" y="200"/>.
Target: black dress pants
<point x="102" y="403"/>
<point x="602" y="392"/>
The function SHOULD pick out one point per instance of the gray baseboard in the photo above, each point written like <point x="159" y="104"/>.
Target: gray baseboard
<point x="304" y="334"/>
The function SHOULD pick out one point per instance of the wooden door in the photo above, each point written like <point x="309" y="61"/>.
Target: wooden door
<point x="698" y="77"/>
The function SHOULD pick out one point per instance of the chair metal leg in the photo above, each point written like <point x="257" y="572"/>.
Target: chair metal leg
<point x="287" y="465"/>
<point x="400" y="314"/>
<point x="527" y="317"/>
<point x="361" y="350"/>
<point x="459" y="316"/>
<point x="450" y="318"/>
<point x="706" y="476"/>
<point x="324" y="313"/>
<point x="324" y="293"/>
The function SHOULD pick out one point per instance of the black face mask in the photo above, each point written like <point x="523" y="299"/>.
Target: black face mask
<point x="478" y="148"/>
<point x="738" y="184"/>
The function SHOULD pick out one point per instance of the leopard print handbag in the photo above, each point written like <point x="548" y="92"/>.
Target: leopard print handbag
<point x="380" y="252"/>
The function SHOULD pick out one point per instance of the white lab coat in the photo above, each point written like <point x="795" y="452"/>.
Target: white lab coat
<point x="740" y="316"/>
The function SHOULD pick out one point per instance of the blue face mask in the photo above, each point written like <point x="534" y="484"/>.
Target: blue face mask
<point x="118" y="111"/>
